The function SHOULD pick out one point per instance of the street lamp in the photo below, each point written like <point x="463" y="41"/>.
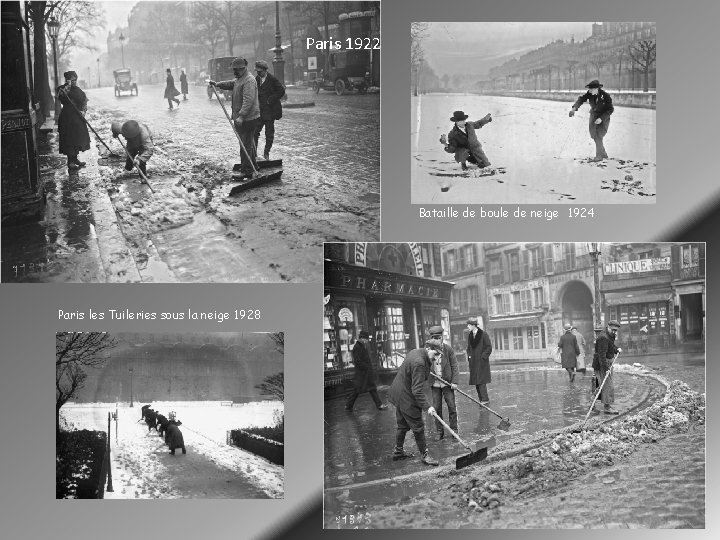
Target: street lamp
<point x="122" y="50"/>
<point x="98" y="65"/>
<point x="131" y="389"/>
<point x="594" y="252"/>
<point x="278" y="62"/>
<point x="261" y="21"/>
<point x="53" y="29"/>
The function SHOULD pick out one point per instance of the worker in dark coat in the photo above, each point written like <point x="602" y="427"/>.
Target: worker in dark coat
<point x="446" y="367"/>
<point x="139" y="143"/>
<point x="270" y="92"/>
<point x="601" y="108"/>
<point x="162" y="424"/>
<point x="605" y="351"/>
<point x="171" y="92"/>
<point x="72" y="129"/>
<point x="151" y="419"/>
<point x="183" y="84"/>
<point x="478" y="353"/>
<point x="364" y="380"/>
<point x="463" y="142"/>
<point x="174" y="439"/>
<point x="142" y="411"/>
<point x="569" y="351"/>
<point x="409" y="394"/>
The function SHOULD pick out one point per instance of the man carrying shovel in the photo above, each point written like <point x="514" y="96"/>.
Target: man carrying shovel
<point x="74" y="136"/>
<point x="445" y="367"/>
<point x="245" y="112"/>
<point x="139" y="144"/>
<point x="605" y="351"/>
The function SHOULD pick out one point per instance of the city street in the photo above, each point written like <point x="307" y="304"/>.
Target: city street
<point x="538" y="154"/>
<point x="614" y="472"/>
<point x="103" y="225"/>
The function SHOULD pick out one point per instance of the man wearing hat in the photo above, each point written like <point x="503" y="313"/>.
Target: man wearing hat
<point x="569" y="350"/>
<point x="171" y="92"/>
<point x="139" y="143"/>
<point x="478" y="353"/>
<point x="72" y="130"/>
<point x="245" y="110"/>
<point x="364" y="380"/>
<point x="444" y="366"/>
<point x="605" y="351"/>
<point x="463" y="142"/>
<point x="408" y="394"/>
<point x="270" y="92"/>
<point x="601" y="108"/>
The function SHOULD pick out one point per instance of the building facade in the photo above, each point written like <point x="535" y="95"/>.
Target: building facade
<point x="688" y="285"/>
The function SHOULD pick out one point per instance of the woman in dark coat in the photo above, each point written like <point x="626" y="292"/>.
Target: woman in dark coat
<point x="174" y="439"/>
<point x="170" y="90"/>
<point x="183" y="85"/>
<point x="478" y="353"/>
<point x="569" y="350"/>
<point x="73" y="132"/>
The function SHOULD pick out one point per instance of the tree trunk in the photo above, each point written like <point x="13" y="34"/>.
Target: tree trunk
<point x="647" y="79"/>
<point x="42" y="82"/>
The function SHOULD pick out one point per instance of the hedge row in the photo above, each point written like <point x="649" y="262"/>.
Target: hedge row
<point x="79" y="464"/>
<point x="271" y="450"/>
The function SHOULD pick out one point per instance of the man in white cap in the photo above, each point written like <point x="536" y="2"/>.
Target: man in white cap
<point x="444" y="366"/>
<point x="139" y="143"/>
<point x="245" y="110"/>
<point x="270" y="92"/>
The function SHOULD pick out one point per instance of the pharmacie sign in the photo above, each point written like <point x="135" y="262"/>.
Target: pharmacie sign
<point x="640" y="265"/>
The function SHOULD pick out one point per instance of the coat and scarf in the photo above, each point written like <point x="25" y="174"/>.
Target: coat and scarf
<point x="478" y="353"/>
<point x="245" y="104"/>
<point x="569" y="349"/>
<point x="463" y="144"/>
<point x="364" y="380"/>
<point x="270" y="92"/>
<point x="73" y="131"/>
<point x="409" y="391"/>
<point x="170" y="90"/>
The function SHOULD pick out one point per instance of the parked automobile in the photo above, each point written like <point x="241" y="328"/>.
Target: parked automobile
<point x="219" y="69"/>
<point x="124" y="82"/>
<point x="349" y="70"/>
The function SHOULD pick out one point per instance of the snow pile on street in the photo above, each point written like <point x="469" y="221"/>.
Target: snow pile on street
<point x="568" y="454"/>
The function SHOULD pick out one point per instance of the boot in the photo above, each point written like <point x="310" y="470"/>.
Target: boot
<point x="78" y="162"/>
<point x="427" y="459"/>
<point x="266" y="155"/>
<point x="400" y="453"/>
<point x="72" y="166"/>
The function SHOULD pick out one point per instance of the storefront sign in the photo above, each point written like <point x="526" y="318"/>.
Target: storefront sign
<point x="360" y="251"/>
<point x="417" y="258"/>
<point x="640" y="265"/>
<point x="522" y="286"/>
<point x="579" y="275"/>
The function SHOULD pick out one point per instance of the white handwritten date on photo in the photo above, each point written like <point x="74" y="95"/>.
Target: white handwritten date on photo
<point x="349" y="44"/>
<point x="353" y="521"/>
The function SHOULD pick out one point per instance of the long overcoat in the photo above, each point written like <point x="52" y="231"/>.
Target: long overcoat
<point x="364" y="379"/>
<point x="73" y="131"/>
<point x="478" y="353"/>
<point x="270" y="92"/>
<point x="183" y="83"/>
<point x="170" y="90"/>
<point x="410" y="388"/>
<point x="174" y="437"/>
<point x="463" y="145"/>
<point x="569" y="349"/>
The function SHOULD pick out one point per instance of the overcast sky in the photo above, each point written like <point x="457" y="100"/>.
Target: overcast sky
<point x="474" y="47"/>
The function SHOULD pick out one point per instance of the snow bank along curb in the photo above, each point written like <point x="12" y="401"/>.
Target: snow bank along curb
<point x="271" y="450"/>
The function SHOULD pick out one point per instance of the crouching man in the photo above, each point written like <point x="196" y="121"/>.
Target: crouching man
<point x="139" y="143"/>
<point x="174" y="439"/>
<point x="408" y="393"/>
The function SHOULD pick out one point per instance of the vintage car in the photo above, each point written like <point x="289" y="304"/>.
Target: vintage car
<point x="123" y="82"/>
<point x="219" y="69"/>
<point x="349" y="70"/>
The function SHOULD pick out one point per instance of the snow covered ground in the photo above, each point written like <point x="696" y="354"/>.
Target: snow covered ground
<point x="143" y="468"/>
<point x="541" y="152"/>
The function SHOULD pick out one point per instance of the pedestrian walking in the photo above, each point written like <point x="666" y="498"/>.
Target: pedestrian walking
<point x="581" y="344"/>
<point x="601" y="108"/>
<point x="445" y="366"/>
<point x="479" y="348"/>
<point x="245" y="111"/>
<point x="171" y="92"/>
<point x="364" y="380"/>
<point x="183" y="84"/>
<point x="605" y="351"/>
<point x="72" y="130"/>
<point x="463" y="142"/>
<point x="139" y="143"/>
<point x="270" y="92"/>
<point x="408" y="393"/>
<point x="569" y="351"/>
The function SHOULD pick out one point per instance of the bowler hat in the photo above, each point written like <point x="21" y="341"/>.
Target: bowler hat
<point x="70" y="75"/>
<point x="363" y="334"/>
<point x="130" y="129"/>
<point x="458" y="115"/>
<point x="239" y="62"/>
<point x="473" y="320"/>
<point x="261" y="64"/>
<point x="435" y="330"/>
<point x="593" y="84"/>
<point x="614" y="323"/>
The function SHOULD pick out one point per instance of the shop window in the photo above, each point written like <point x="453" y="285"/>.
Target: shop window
<point x="390" y="336"/>
<point x="538" y="297"/>
<point x="516" y="301"/>
<point x="517" y="335"/>
<point x="533" y="337"/>
<point x="506" y="303"/>
<point x="526" y="300"/>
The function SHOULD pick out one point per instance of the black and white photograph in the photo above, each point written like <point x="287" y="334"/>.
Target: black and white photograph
<point x="514" y="385"/>
<point x="169" y="416"/>
<point x="533" y="112"/>
<point x="206" y="142"/>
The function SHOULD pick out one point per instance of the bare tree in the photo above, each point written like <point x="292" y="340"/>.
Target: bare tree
<point x="643" y="54"/>
<point x="598" y="62"/>
<point x="278" y="339"/>
<point x="78" y="21"/>
<point x="207" y="26"/>
<point x="38" y="14"/>
<point x="274" y="385"/>
<point x="74" y="353"/>
<point x="417" y="55"/>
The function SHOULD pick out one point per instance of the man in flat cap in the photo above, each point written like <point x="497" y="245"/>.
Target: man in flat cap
<point x="408" y="394"/>
<point x="72" y="129"/>
<point x="139" y="142"/>
<point x="605" y="351"/>
<point x="601" y="108"/>
<point x="569" y="350"/>
<point x="463" y="142"/>
<point x="478" y="353"/>
<point x="270" y="92"/>
<point x="245" y="110"/>
<point x="364" y="380"/>
<point x="444" y="366"/>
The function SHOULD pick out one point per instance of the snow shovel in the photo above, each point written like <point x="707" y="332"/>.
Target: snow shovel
<point x="256" y="178"/>
<point x="473" y="457"/>
<point x="504" y="422"/>
<point x="112" y="154"/>
<point x="597" y="395"/>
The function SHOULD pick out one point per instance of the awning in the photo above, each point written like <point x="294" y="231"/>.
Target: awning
<point x="511" y="323"/>
<point x="637" y="296"/>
